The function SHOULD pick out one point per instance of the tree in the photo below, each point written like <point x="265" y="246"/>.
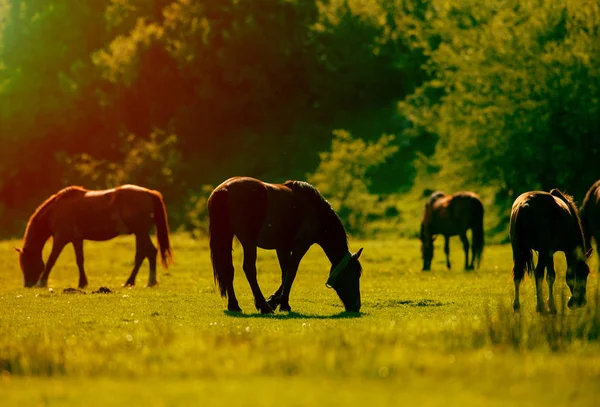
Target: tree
<point x="342" y="175"/>
<point x="514" y="93"/>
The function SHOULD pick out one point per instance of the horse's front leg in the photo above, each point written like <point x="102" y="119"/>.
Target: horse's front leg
<point x="290" y="274"/>
<point x="283" y="256"/>
<point x="57" y="247"/>
<point x="78" y="247"/>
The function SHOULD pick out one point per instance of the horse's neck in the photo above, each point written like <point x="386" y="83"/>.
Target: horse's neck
<point x="334" y="250"/>
<point x="37" y="234"/>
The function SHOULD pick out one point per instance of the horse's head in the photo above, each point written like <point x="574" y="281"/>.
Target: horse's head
<point x="32" y="266"/>
<point x="426" y="248"/>
<point x="577" y="275"/>
<point x="345" y="280"/>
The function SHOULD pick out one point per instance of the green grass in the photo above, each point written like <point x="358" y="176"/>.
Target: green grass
<point x="445" y="337"/>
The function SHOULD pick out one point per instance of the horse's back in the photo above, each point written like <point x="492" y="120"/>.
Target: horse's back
<point x="542" y="219"/>
<point x="453" y="214"/>
<point x="258" y="212"/>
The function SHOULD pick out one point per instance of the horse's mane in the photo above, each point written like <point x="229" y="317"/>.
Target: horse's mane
<point x="323" y="206"/>
<point x="429" y="204"/>
<point x="590" y="194"/>
<point x="42" y="210"/>
<point x="568" y="200"/>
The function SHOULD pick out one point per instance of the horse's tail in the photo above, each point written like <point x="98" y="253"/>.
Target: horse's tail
<point x="162" y="229"/>
<point x="586" y="228"/>
<point x="478" y="233"/>
<point x="522" y="255"/>
<point x="584" y="214"/>
<point x="221" y="238"/>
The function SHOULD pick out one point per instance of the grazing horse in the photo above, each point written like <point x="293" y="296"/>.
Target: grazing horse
<point x="590" y="216"/>
<point x="288" y="218"/>
<point x="75" y="214"/>
<point x="548" y="223"/>
<point x="452" y="215"/>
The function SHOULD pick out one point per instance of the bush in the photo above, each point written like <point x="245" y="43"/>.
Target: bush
<point x="342" y="176"/>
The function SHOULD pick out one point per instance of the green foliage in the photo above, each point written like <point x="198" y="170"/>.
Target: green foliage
<point x="197" y="214"/>
<point x="342" y="175"/>
<point x="152" y="162"/>
<point x="514" y="91"/>
<point x="230" y="78"/>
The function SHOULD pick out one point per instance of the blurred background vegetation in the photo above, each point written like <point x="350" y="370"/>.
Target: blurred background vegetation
<point x="378" y="102"/>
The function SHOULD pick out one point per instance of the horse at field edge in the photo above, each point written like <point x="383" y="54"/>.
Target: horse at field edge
<point x="288" y="218"/>
<point x="452" y="215"/>
<point x="75" y="214"/>
<point x="590" y="216"/>
<point x="548" y="222"/>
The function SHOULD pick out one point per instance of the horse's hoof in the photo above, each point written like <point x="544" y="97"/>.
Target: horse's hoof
<point x="266" y="310"/>
<point x="273" y="303"/>
<point x="154" y="284"/>
<point x="41" y="284"/>
<point x="285" y="308"/>
<point x="234" y="308"/>
<point x="128" y="284"/>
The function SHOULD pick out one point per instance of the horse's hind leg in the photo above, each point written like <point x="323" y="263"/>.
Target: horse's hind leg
<point x="520" y="263"/>
<point x="447" y="250"/>
<point x="151" y="253"/>
<point x="78" y="247"/>
<point x="250" y="271"/>
<point x="140" y="255"/>
<point x="550" y="277"/>
<point x="465" y="243"/>
<point x="539" y="281"/>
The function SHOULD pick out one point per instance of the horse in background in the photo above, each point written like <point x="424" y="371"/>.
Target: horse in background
<point x="75" y="214"/>
<point x="288" y="218"/>
<point x="590" y="216"/>
<point x="548" y="223"/>
<point x="452" y="215"/>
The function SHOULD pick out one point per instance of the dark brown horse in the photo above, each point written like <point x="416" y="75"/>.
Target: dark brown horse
<point x="590" y="216"/>
<point x="548" y="223"/>
<point x="452" y="215"/>
<point x="288" y="218"/>
<point x="75" y="214"/>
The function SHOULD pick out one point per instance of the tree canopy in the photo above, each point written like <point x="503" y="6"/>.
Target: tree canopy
<point x="184" y="93"/>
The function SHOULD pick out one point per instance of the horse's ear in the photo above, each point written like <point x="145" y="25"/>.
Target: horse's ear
<point x="434" y="237"/>
<point x="589" y="253"/>
<point x="18" y="250"/>
<point x="357" y="254"/>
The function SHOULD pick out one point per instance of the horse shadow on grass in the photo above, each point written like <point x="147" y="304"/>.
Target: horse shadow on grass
<point x="423" y="302"/>
<point x="295" y="315"/>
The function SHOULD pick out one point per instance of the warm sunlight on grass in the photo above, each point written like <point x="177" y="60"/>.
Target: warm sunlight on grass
<point x="425" y="338"/>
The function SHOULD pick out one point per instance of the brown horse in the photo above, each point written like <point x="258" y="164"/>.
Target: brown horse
<point x="75" y="214"/>
<point x="288" y="218"/>
<point x="452" y="215"/>
<point x="590" y="216"/>
<point x="548" y="223"/>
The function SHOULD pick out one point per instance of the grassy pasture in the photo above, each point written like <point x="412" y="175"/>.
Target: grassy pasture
<point x="447" y="337"/>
